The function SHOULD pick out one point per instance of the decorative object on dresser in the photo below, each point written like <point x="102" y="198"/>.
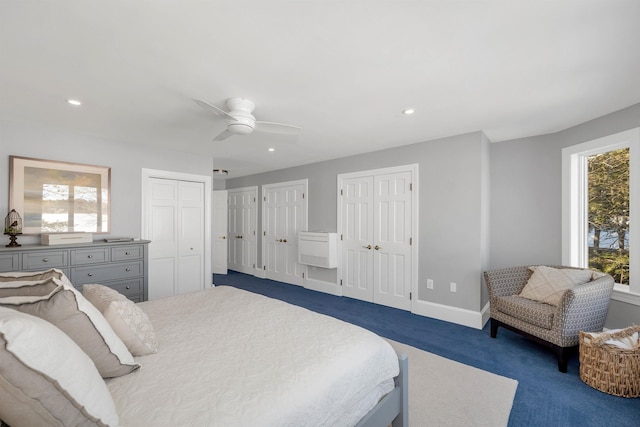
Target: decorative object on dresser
<point x="122" y="266"/>
<point x="50" y="239"/>
<point x="60" y="196"/>
<point x="13" y="227"/>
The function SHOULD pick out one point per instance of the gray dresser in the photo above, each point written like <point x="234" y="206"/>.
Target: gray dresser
<point x="122" y="266"/>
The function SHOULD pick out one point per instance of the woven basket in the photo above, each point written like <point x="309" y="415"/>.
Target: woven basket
<point x="608" y="368"/>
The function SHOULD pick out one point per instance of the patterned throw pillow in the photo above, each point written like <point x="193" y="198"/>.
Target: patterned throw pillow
<point x="548" y="284"/>
<point x="127" y="319"/>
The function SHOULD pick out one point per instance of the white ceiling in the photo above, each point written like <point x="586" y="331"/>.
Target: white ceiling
<point x="341" y="70"/>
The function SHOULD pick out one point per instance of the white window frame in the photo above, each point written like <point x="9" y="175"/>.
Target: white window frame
<point x="574" y="205"/>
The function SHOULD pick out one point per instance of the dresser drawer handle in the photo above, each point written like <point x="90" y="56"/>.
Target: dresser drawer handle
<point x="128" y="287"/>
<point x="89" y="256"/>
<point x="45" y="259"/>
<point x="127" y="253"/>
<point x="127" y="269"/>
<point x="90" y="274"/>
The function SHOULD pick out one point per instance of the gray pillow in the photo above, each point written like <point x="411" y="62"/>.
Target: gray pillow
<point x="68" y="310"/>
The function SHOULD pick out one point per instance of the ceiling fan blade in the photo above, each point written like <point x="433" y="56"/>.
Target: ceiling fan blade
<point x="218" y="111"/>
<point x="280" y="128"/>
<point x="224" y="135"/>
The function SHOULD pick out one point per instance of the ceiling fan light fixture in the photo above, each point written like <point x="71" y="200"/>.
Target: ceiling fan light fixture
<point x="240" y="128"/>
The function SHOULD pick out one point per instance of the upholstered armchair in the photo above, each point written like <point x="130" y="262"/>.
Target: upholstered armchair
<point x="581" y="308"/>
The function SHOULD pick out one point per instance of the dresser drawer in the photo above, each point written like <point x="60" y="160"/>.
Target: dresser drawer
<point x="89" y="256"/>
<point x="106" y="272"/>
<point x="128" y="288"/>
<point x="44" y="260"/>
<point x="124" y="253"/>
<point x="9" y="262"/>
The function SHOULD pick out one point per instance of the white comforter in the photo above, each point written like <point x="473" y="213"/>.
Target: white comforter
<point x="228" y="357"/>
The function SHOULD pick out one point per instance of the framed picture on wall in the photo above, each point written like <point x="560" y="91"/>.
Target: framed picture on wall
<point x="60" y="197"/>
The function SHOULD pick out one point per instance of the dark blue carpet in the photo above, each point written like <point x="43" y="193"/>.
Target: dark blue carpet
<point x="545" y="397"/>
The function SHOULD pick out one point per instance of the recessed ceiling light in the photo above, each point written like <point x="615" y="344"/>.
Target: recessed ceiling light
<point x="74" y="102"/>
<point x="408" y="111"/>
<point x="272" y="149"/>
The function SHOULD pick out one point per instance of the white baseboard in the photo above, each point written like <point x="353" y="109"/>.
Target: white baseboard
<point x="486" y="314"/>
<point x="460" y="316"/>
<point x="322" y="286"/>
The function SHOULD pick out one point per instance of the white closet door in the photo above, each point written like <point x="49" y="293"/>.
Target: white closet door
<point x="219" y="232"/>
<point x="284" y="215"/>
<point x="392" y="234"/>
<point x="163" y="233"/>
<point x="242" y="231"/>
<point x="190" y="236"/>
<point x="376" y="213"/>
<point x="176" y="230"/>
<point x="357" y="238"/>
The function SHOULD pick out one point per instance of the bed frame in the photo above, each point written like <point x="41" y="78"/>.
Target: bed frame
<point x="394" y="407"/>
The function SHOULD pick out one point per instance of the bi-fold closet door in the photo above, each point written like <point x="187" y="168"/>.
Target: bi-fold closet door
<point x="376" y="213"/>
<point x="174" y="221"/>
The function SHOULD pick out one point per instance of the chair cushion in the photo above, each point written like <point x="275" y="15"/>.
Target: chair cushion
<point x="529" y="311"/>
<point x="548" y="284"/>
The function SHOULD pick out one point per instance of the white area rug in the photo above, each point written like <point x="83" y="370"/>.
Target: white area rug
<point x="445" y="393"/>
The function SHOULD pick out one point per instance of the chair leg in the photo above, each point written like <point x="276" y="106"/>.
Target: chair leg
<point x="563" y="353"/>
<point x="494" y="327"/>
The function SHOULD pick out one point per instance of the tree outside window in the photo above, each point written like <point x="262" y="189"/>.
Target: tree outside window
<point x="608" y="213"/>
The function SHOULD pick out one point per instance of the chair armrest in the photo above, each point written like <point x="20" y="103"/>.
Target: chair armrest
<point x="584" y="308"/>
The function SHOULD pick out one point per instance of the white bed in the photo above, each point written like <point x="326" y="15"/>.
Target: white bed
<point x="227" y="357"/>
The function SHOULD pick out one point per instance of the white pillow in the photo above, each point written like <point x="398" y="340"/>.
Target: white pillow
<point x="67" y="309"/>
<point x="46" y="379"/>
<point x="548" y="284"/>
<point x="127" y="319"/>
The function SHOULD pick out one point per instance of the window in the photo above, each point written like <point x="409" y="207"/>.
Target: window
<point x="601" y="209"/>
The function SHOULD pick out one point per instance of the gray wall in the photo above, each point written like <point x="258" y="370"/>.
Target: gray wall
<point x="526" y="187"/>
<point x="453" y="182"/>
<point x="472" y="215"/>
<point x="126" y="162"/>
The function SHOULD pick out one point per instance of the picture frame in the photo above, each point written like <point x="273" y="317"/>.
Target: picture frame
<point x="60" y="197"/>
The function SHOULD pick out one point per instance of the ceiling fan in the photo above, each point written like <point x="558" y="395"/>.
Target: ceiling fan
<point x="240" y="121"/>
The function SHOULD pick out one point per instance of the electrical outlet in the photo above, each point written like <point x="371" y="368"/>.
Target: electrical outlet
<point x="429" y="284"/>
<point x="452" y="287"/>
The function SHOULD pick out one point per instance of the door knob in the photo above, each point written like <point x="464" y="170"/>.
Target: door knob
<point x="376" y="247"/>
<point x="367" y="247"/>
<point x="223" y="237"/>
<point x="284" y="241"/>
